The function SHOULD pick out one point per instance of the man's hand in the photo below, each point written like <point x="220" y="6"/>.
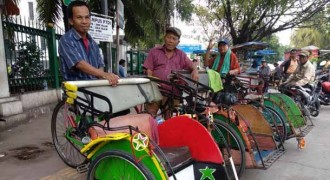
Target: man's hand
<point x="210" y="46"/>
<point x="112" y="78"/>
<point x="194" y="75"/>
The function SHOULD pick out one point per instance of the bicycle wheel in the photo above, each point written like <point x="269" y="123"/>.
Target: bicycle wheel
<point x="235" y="145"/>
<point x="68" y="151"/>
<point x="117" y="165"/>
<point x="279" y="127"/>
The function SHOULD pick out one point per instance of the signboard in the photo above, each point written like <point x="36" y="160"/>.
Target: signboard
<point x="189" y="48"/>
<point x="120" y="14"/>
<point x="101" y="29"/>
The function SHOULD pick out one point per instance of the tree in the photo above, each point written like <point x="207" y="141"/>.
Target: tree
<point x="317" y="32"/>
<point x="146" y="20"/>
<point x="253" y="20"/>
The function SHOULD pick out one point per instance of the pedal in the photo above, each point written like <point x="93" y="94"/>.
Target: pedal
<point x="83" y="168"/>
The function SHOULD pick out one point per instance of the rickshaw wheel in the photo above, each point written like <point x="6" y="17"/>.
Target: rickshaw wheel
<point x="282" y="136"/>
<point x="117" y="165"/>
<point x="236" y="147"/>
<point x="67" y="150"/>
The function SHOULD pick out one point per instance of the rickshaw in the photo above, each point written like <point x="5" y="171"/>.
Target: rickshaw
<point x="257" y="148"/>
<point x="278" y="109"/>
<point x="89" y="137"/>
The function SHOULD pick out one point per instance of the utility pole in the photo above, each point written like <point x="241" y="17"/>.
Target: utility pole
<point x="106" y="46"/>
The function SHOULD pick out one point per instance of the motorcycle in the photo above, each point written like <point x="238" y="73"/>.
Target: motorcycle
<point x="324" y="77"/>
<point x="306" y="97"/>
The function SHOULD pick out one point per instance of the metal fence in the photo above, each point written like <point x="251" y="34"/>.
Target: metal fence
<point x="32" y="59"/>
<point x="31" y="54"/>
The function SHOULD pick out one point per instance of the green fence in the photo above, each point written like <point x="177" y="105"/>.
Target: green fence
<point x="32" y="59"/>
<point x="31" y="55"/>
<point x="135" y="61"/>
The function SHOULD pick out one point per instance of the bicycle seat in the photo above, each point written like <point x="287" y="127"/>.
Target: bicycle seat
<point x="144" y="122"/>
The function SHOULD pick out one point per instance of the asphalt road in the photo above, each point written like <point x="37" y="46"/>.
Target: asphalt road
<point x="26" y="152"/>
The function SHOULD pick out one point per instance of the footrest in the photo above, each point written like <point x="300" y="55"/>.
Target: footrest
<point x="305" y="130"/>
<point x="83" y="168"/>
<point x="271" y="158"/>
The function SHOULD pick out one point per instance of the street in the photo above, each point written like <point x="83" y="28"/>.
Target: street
<point x="26" y="152"/>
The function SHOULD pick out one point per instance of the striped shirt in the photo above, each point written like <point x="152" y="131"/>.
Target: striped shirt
<point x="72" y="50"/>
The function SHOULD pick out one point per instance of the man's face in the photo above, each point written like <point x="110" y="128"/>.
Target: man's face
<point x="223" y="48"/>
<point x="303" y="59"/>
<point x="171" y="41"/>
<point x="293" y="54"/>
<point x="80" y="19"/>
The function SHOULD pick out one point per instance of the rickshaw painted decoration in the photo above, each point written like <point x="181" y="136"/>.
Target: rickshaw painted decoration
<point x="140" y="141"/>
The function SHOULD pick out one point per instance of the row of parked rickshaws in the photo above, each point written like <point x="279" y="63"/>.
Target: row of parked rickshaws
<point x="212" y="134"/>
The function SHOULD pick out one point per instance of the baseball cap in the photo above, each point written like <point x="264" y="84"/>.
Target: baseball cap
<point x="263" y="60"/>
<point x="174" y="30"/>
<point x="293" y="50"/>
<point x="224" y="41"/>
<point x="304" y="53"/>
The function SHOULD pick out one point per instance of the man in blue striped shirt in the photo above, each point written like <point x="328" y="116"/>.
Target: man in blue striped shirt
<point x="79" y="53"/>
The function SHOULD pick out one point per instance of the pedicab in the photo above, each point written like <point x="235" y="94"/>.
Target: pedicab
<point x="257" y="147"/>
<point x="88" y="137"/>
<point x="279" y="109"/>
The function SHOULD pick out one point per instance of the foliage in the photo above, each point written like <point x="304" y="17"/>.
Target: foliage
<point x="253" y="20"/>
<point x="210" y="25"/>
<point x="28" y="62"/>
<point x="317" y="32"/>
<point x="273" y="42"/>
<point x="145" y="20"/>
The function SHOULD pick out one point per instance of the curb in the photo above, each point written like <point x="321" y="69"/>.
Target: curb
<point x="15" y="120"/>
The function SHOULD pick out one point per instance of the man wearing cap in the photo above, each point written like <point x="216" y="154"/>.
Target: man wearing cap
<point x="225" y="62"/>
<point x="264" y="74"/>
<point x="290" y="65"/>
<point x="305" y="72"/>
<point x="161" y="61"/>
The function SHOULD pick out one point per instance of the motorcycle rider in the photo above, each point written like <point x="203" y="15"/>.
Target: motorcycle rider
<point x="305" y="72"/>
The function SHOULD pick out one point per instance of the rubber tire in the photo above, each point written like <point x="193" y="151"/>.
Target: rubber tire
<point x="285" y="131"/>
<point x="237" y="138"/>
<point x="123" y="155"/>
<point x="55" y="136"/>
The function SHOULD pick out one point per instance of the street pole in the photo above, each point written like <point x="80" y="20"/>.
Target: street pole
<point x="106" y="47"/>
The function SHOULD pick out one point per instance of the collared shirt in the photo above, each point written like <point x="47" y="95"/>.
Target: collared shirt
<point x="161" y="66"/>
<point x="72" y="50"/>
<point x="234" y="64"/>
<point x="264" y="71"/>
<point x="303" y="75"/>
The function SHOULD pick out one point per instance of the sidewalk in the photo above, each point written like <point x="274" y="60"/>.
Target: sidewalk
<point x="311" y="163"/>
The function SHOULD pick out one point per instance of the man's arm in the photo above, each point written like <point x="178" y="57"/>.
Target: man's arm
<point x="89" y="69"/>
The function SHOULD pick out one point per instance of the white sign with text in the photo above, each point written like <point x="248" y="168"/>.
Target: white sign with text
<point x="101" y="29"/>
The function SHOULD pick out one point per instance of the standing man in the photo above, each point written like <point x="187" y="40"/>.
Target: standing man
<point x="305" y="72"/>
<point x="79" y="53"/>
<point x="225" y="62"/>
<point x="290" y="65"/>
<point x="161" y="61"/>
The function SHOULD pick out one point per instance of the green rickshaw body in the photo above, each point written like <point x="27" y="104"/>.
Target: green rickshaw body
<point x="149" y="160"/>
<point x="293" y="113"/>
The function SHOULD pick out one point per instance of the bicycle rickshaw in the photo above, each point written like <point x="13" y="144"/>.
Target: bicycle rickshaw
<point x="288" y="118"/>
<point x="251" y="139"/>
<point x="88" y="137"/>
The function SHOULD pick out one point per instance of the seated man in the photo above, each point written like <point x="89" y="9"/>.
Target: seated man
<point x="305" y="72"/>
